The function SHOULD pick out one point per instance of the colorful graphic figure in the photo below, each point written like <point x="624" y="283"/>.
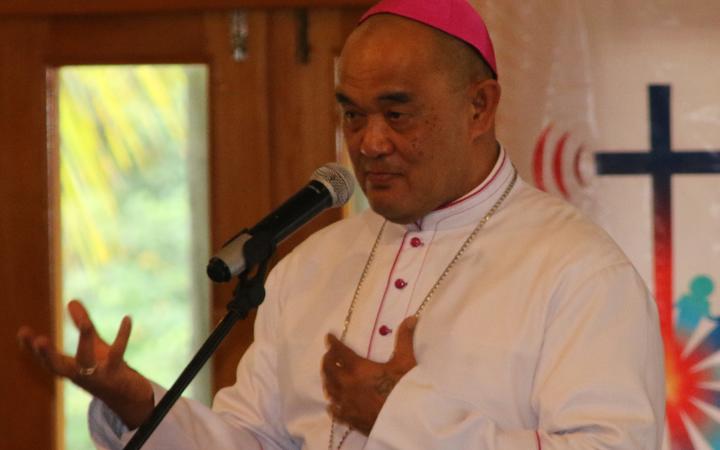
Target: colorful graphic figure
<point x="693" y="307"/>
<point x="691" y="361"/>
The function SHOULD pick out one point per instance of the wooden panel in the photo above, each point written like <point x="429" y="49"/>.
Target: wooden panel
<point x="24" y="7"/>
<point x="302" y="104"/>
<point x="27" y="393"/>
<point x="175" y="38"/>
<point x="276" y="126"/>
<point x="240" y="180"/>
<point x="28" y="47"/>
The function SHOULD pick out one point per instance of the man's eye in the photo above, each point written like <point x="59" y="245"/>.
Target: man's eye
<point x="352" y="120"/>
<point x="394" y="115"/>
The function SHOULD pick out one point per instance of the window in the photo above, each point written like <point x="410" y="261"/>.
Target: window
<point x="133" y="151"/>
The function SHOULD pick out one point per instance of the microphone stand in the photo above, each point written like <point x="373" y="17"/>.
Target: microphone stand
<point x="248" y="294"/>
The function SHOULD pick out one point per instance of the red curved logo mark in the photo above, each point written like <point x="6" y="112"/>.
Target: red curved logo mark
<point x="558" y="159"/>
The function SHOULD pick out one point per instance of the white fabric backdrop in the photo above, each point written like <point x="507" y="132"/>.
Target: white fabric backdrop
<point x="584" y="68"/>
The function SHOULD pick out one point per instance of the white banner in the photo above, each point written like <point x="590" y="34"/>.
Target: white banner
<point x="617" y="109"/>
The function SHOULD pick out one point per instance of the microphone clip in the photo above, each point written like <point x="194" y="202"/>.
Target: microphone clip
<point x="258" y="249"/>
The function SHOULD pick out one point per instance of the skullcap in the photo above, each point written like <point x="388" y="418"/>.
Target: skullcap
<point x="455" y="17"/>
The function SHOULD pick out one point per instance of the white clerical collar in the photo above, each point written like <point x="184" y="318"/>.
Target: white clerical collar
<point x="474" y="205"/>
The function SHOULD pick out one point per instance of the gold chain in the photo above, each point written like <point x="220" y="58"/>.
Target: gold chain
<point x="429" y="295"/>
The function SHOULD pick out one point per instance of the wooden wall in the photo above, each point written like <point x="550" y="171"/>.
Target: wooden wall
<point x="272" y="122"/>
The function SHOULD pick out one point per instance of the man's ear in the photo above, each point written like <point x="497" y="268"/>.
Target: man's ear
<point x="485" y="96"/>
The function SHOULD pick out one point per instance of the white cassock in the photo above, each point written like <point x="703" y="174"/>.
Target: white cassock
<point x="542" y="336"/>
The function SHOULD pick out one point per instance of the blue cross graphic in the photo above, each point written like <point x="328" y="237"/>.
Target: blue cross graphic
<point x="661" y="163"/>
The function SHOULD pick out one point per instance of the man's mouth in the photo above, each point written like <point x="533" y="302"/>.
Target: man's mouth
<point x="380" y="177"/>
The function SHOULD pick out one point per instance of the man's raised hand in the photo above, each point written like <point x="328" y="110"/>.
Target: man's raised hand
<point x="97" y="367"/>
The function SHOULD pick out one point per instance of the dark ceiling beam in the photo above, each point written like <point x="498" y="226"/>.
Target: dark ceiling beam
<point x="80" y="7"/>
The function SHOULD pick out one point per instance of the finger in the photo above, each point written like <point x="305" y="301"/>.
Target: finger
<point x="45" y="353"/>
<point x="328" y="362"/>
<point x="338" y="355"/>
<point x="25" y="337"/>
<point x="405" y="334"/>
<point x="342" y="356"/>
<point x="79" y="314"/>
<point x="89" y="343"/>
<point x="333" y="357"/>
<point x="85" y="355"/>
<point x="55" y="362"/>
<point x="80" y="317"/>
<point x="117" y="349"/>
<point x="335" y="411"/>
<point x="332" y="385"/>
<point x="331" y="341"/>
<point x="404" y="343"/>
<point x="332" y="389"/>
<point x="330" y="372"/>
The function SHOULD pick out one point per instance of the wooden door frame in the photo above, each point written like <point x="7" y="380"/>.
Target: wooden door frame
<point x="30" y="50"/>
<point x="259" y="155"/>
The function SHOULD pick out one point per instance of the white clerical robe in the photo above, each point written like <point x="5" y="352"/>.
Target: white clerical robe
<point x="541" y="336"/>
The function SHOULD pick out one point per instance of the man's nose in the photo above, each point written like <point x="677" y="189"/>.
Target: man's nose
<point x="376" y="138"/>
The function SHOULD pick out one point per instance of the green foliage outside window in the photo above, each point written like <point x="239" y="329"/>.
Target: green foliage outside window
<point x="125" y="205"/>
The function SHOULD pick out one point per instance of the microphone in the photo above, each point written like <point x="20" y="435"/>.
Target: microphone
<point x="330" y="186"/>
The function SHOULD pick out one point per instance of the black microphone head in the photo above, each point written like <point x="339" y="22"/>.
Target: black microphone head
<point x="338" y="180"/>
<point x="218" y="271"/>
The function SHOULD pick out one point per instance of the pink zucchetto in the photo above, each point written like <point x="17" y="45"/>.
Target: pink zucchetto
<point x="455" y="17"/>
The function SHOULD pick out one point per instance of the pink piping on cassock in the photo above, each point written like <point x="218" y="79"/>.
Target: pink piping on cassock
<point x="482" y="188"/>
<point x="382" y="302"/>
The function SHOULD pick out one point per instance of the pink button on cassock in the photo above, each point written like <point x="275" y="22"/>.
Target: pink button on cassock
<point x="416" y="242"/>
<point x="400" y="283"/>
<point x="385" y="330"/>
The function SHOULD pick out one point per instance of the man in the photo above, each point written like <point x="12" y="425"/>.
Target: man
<point x="465" y="311"/>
